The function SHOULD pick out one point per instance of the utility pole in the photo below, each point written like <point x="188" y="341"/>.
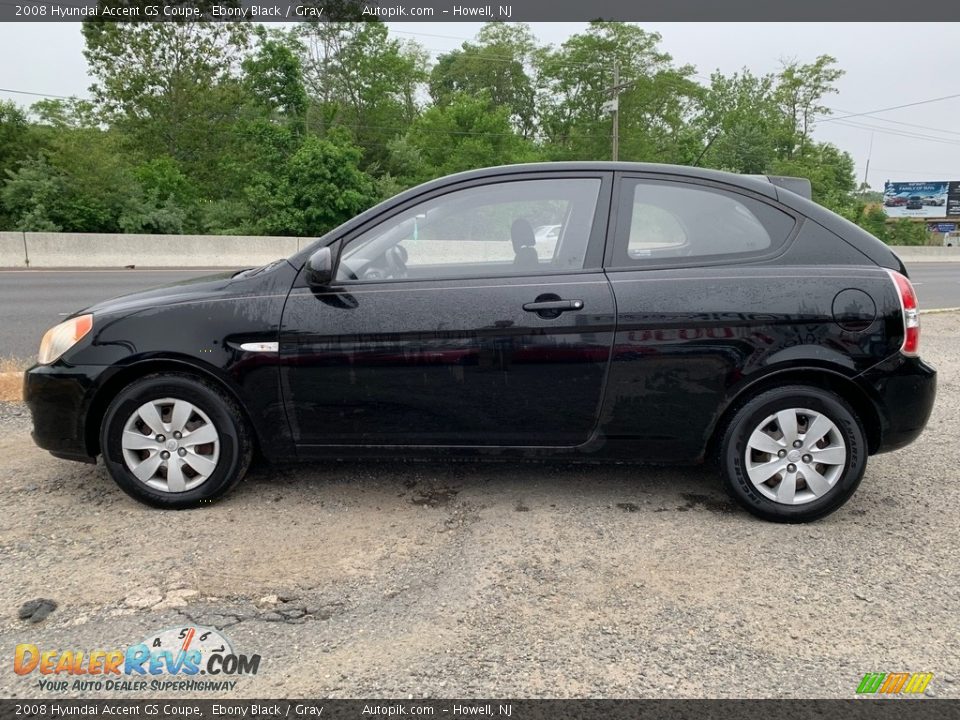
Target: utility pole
<point x="615" y="152"/>
<point x="866" y="170"/>
<point x="612" y="106"/>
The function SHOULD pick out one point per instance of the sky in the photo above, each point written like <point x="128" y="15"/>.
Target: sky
<point x="886" y="64"/>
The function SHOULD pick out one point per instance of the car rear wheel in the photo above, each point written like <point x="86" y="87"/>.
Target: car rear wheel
<point x="793" y="454"/>
<point x="174" y="441"/>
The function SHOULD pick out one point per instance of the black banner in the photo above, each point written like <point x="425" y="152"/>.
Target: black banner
<point x="52" y="709"/>
<point x="953" y="199"/>
<point x="475" y="10"/>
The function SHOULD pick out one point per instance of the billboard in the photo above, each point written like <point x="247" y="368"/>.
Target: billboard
<point x="921" y="199"/>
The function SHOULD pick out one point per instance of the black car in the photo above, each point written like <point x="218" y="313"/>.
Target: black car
<point x="914" y="203"/>
<point x="679" y="315"/>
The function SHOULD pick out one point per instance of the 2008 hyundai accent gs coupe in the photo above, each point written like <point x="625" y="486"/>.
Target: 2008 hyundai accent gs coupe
<point x="677" y="315"/>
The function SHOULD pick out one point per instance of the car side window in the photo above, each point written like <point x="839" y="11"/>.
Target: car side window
<point x="665" y="222"/>
<point x="511" y="227"/>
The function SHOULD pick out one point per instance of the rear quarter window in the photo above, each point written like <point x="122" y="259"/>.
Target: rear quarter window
<point x="665" y="223"/>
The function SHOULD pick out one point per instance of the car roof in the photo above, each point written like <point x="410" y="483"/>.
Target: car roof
<point x="748" y="182"/>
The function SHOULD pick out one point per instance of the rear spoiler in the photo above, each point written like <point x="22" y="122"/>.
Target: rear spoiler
<point x="799" y="186"/>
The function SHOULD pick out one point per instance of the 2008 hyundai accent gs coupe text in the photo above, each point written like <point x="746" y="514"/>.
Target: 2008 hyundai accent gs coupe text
<point x="677" y="315"/>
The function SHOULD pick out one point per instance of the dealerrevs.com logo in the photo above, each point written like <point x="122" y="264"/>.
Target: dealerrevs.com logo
<point x="185" y="659"/>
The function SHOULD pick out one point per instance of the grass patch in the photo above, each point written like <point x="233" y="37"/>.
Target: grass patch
<point x="11" y="378"/>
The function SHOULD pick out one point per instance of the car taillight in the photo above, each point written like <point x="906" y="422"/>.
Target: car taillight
<point x="911" y="314"/>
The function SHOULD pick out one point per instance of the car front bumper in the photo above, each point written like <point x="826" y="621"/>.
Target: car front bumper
<point x="59" y="397"/>
<point x="903" y="391"/>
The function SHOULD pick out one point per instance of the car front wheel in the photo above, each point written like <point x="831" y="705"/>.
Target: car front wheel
<point x="793" y="454"/>
<point x="174" y="441"/>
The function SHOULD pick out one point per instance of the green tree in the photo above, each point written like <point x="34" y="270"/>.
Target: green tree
<point x="31" y="197"/>
<point x="498" y="65"/>
<point x="273" y="75"/>
<point x="905" y="232"/>
<point x="737" y="119"/>
<point x="830" y="171"/>
<point x="656" y="101"/>
<point x="171" y="88"/>
<point x="320" y="187"/>
<point x="465" y="133"/>
<point x="362" y="79"/>
<point x="65" y="114"/>
<point x="871" y="218"/>
<point x="166" y="202"/>
<point x="799" y="94"/>
<point x="260" y="149"/>
<point x="81" y="183"/>
<point x="17" y="143"/>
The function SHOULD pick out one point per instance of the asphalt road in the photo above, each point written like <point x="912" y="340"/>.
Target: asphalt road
<point x="33" y="300"/>
<point x="937" y="284"/>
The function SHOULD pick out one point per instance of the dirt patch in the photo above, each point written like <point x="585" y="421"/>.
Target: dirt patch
<point x="11" y="379"/>
<point x="434" y="497"/>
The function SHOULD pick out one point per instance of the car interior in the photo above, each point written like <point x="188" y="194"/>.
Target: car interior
<point x="486" y="231"/>
<point x="670" y="222"/>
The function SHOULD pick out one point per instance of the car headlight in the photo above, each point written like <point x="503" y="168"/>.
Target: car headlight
<point x="62" y="337"/>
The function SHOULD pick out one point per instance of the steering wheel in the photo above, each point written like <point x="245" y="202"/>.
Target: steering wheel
<point x="373" y="273"/>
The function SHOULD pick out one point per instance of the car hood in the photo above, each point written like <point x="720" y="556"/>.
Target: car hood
<point x="223" y="284"/>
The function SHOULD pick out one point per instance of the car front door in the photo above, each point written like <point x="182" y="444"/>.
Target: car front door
<point x="461" y="319"/>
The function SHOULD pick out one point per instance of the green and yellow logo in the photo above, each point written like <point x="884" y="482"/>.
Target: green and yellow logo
<point x="894" y="683"/>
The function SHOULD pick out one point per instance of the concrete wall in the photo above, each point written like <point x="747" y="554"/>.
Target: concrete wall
<point x="66" y="250"/>
<point x="923" y="253"/>
<point x="12" y="250"/>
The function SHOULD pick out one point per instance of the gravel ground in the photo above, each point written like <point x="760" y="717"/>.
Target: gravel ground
<point x="14" y="417"/>
<point x="494" y="580"/>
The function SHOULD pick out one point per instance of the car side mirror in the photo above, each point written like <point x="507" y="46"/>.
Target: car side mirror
<point x="320" y="268"/>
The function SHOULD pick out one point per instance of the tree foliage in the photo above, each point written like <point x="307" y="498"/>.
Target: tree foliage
<point x="273" y="77"/>
<point x="170" y="88"/>
<point x="319" y="186"/>
<point x="234" y="128"/>
<point x="656" y="99"/>
<point x="738" y="120"/>
<point x="496" y="67"/>
<point x="471" y="134"/>
<point x="799" y="94"/>
<point x="361" y="79"/>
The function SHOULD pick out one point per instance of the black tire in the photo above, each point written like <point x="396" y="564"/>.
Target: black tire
<point x="733" y="448"/>
<point x="235" y="441"/>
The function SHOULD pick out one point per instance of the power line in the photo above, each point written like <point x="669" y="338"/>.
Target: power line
<point x="487" y="57"/>
<point x="827" y="118"/>
<point x="433" y="35"/>
<point x="927" y="173"/>
<point x="38" y="94"/>
<point x="898" y="133"/>
<point x="905" y="124"/>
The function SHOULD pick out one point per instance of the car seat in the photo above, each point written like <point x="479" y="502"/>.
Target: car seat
<point x="524" y="240"/>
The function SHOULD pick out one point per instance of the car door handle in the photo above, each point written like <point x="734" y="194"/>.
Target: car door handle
<point x="557" y="306"/>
